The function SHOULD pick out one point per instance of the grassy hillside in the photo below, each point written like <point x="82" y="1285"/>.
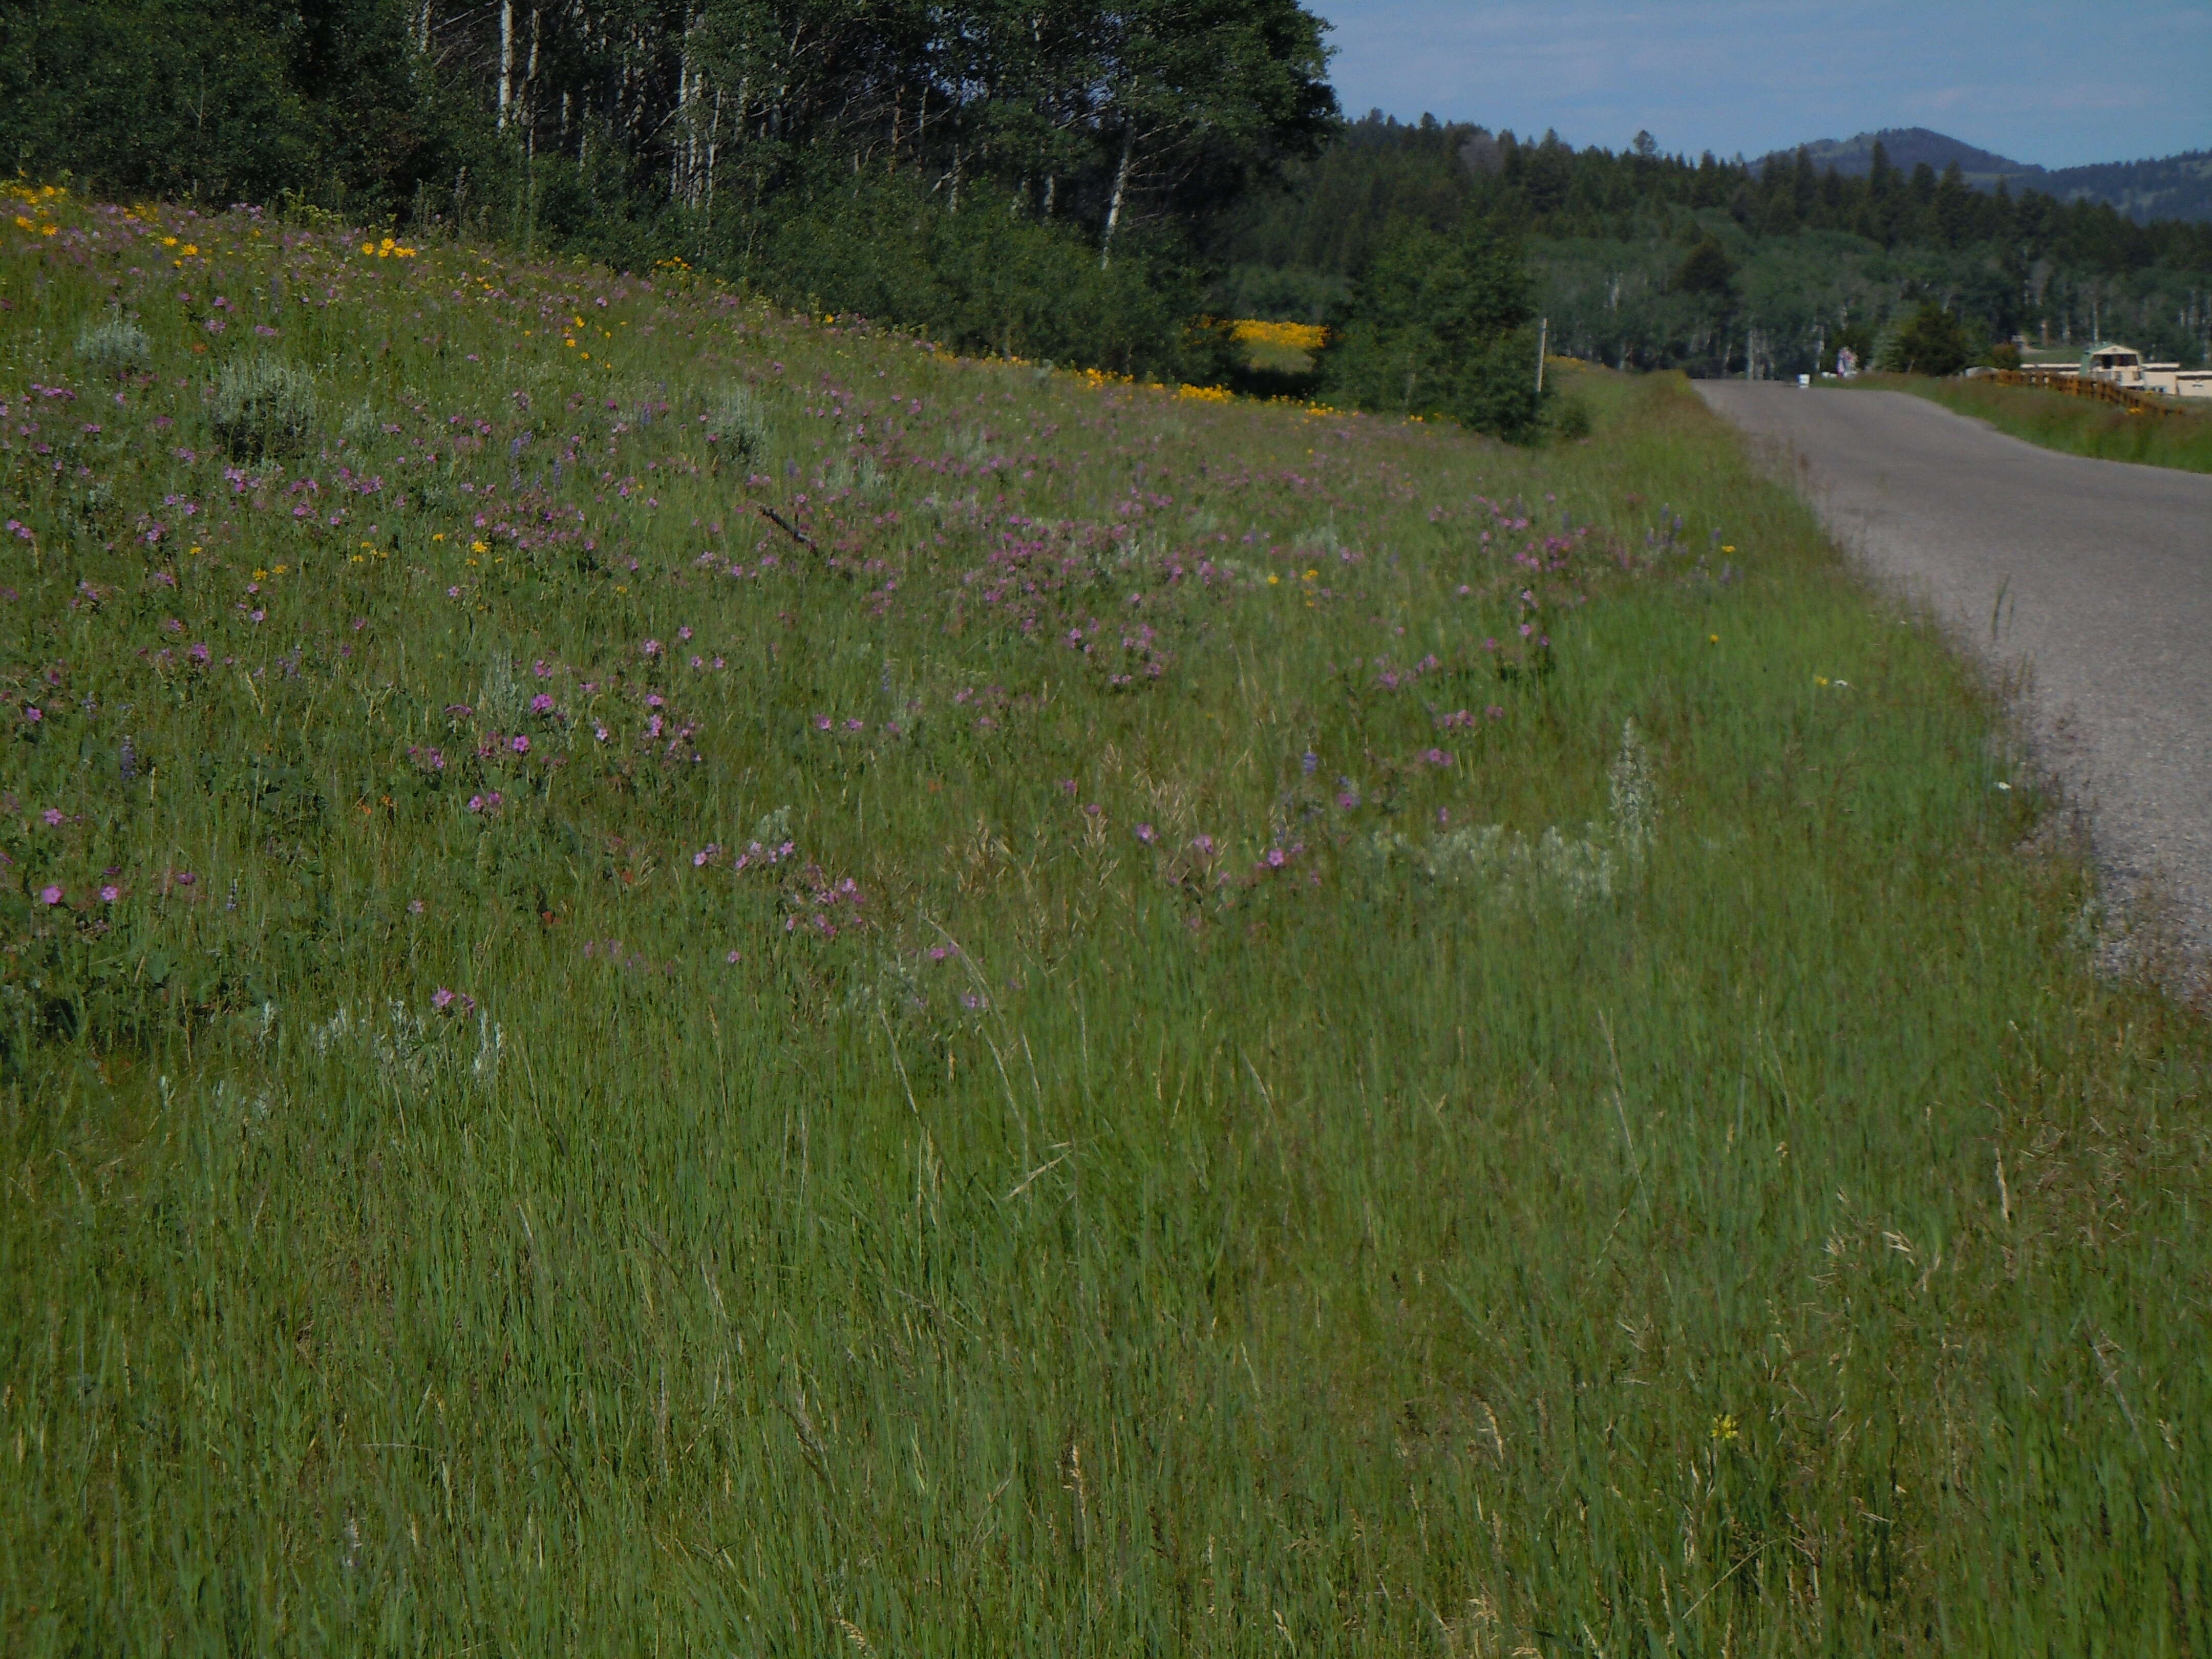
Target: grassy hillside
<point x="1144" y="1023"/>
<point x="2058" y="420"/>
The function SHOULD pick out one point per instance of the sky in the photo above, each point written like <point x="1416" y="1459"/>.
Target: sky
<point x="2059" y="82"/>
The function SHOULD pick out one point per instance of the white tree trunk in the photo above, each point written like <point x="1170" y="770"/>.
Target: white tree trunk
<point x="714" y="146"/>
<point x="529" y="113"/>
<point x="506" y="60"/>
<point x="679" y="156"/>
<point x="1121" y="193"/>
<point x="686" y="169"/>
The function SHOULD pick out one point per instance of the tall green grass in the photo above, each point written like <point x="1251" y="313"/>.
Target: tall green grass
<point x="1321" y="1123"/>
<point x="2058" y="420"/>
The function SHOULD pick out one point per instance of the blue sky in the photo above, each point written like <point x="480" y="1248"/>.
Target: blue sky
<point x="2056" y="82"/>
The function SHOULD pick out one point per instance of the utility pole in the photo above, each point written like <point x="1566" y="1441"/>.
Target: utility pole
<point x="1543" y="342"/>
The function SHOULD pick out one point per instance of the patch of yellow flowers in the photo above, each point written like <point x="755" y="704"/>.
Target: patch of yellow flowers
<point x="1293" y="336"/>
<point x="387" y="249"/>
<point x="38" y="198"/>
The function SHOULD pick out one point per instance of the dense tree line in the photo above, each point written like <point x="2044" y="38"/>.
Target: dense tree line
<point x="1022" y="175"/>
<point x="1654" y="259"/>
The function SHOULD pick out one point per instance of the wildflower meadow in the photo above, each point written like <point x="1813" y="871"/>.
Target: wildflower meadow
<point x="683" y="979"/>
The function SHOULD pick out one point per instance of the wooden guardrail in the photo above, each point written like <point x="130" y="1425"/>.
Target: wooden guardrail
<point x="2082" y="386"/>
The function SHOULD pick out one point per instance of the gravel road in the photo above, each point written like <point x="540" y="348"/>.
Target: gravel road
<point x="2104" y="570"/>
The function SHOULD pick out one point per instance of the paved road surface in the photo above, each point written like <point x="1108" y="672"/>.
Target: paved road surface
<point x="2105" y="570"/>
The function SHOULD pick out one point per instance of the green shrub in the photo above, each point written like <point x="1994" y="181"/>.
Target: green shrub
<point x="115" y="346"/>
<point x="738" y="424"/>
<point x="361" y="428"/>
<point x="1571" y="419"/>
<point x="1935" y="341"/>
<point x="985" y="280"/>
<point x="1440" y="325"/>
<point x="263" y="407"/>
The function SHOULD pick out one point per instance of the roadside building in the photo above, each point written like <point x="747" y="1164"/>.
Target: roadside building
<point x="2116" y="365"/>
<point x="2175" y="381"/>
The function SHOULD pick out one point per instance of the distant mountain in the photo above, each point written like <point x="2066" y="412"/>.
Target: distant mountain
<point x="1908" y="146"/>
<point x="2172" y="187"/>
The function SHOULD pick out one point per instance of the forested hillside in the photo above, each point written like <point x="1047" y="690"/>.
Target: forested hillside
<point x="2158" y="187"/>
<point x="1656" y="260"/>
<point x="1018" y="178"/>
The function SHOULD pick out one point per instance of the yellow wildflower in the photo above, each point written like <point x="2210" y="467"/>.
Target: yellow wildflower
<point x="1297" y="336"/>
